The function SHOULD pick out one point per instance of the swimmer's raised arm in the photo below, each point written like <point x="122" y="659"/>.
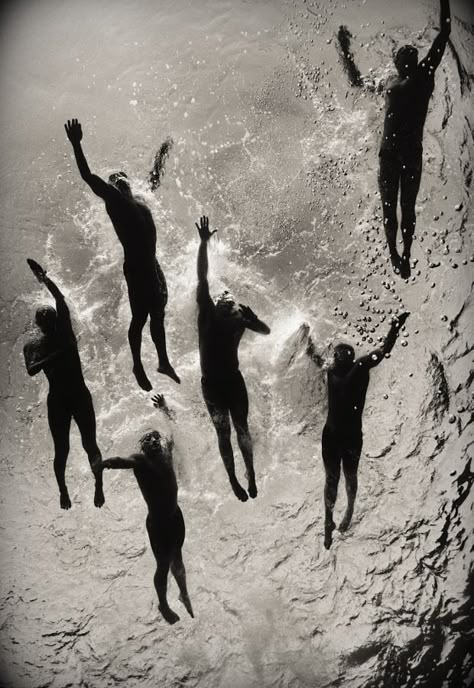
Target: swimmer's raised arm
<point x="252" y="322"/>
<point x="64" y="317"/>
<point x="202" y="294"/>
<point x="436" y="52"/>
<point x="74" y="133"/>
<point x="377" y="355"/>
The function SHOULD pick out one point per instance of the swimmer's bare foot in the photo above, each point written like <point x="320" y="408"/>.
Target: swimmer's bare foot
<point x="346" y="522"/>
<point x="396" y="262"/>
<point x="168" y="614"/>
<point x="99" y="499"/>
<point x="252" y="489"/>
<point x="184" y="599"/>
<point x="142" y="379"/>
<point x="405" y="269"/>
<point x="239" y="490"/>
<point x="169" y="371"/>
<point x="64" y="500"/>
<point x="328" y="528"/>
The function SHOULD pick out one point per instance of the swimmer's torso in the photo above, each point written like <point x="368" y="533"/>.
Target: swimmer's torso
<point x="219" y="340"/>
<point x="406" y="106"/>
<point x="64" y="372"/>
<point x="157" y="482"/>
<point x="135" y="228"/>
<point x="346" y="399"/>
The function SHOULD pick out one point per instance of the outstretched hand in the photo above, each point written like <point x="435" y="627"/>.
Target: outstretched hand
<point x="73" y="130"/>
<point x="203" y="229"/>
<point x="159" y="401"/>
<point x="37" y="270"/>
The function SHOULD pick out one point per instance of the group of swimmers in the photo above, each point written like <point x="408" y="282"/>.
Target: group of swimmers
<point x="221" y="325"/>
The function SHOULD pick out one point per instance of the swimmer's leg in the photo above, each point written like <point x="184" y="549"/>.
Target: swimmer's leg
<point x="160" y="578"/>
<point x="409" y="187"/>
<point x="59" y="419"/>
<point x="84" y="415"/>
<point x="157" y="331"/>
<point x="332" y="467"/>
<point x="139" y="317"/>
<point x="239" y="412"/>
<point x="389" y="180"/>
<point x="350" y="464"/>
<point x="221" y="422"/>
<point x="179" y="573"/>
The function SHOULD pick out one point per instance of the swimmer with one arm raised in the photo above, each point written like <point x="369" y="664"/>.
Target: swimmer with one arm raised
<point x="407" y="96"/>
<point x="221" y="325"/>
<point x="55" y="353"/>
<point x="136" y="231"/>
<point x="348" y="380"/>
<point x="154" y="472"/>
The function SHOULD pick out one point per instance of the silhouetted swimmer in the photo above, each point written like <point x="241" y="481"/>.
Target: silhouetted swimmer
<point x="153" y="469"/>
<point x="136" y="231"/>
<point x="55" y="353"/>
<point x="221" y="324"/>
<point x="348" y="380"/>
<point x="401" y="151"/>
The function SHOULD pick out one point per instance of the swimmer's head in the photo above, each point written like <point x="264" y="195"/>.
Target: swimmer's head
<point x="120" y="181"/>
<point x="406" y="60"/>
<point x="150" y="442"/>
<point x="46" y="319"/>
<point x="226" y="305"/>
<point x="344" y="355"/>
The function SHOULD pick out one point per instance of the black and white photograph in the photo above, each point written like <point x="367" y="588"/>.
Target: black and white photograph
<point x="237" y="316"/>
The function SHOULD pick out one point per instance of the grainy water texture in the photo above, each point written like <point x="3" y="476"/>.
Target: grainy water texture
<point x="272" y="142"/>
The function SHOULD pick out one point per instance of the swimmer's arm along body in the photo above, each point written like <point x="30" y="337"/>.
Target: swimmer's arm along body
<point x="203" y="296"/>
<point x="33" y="366"/>
<point x="377" y="355"/>
<point x="74" y="133"/>
<point x="436" y="52"/>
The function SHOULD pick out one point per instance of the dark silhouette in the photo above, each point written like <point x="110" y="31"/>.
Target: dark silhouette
<point x="153" y="469"/>
<point x="134" y="226"/>
<point x="158" y="171"/>
<point x="221" y="325"/>
<point x="401" y="151"/>
<point x="348" y="380"/>
<point x="55" y="353"/>
<point x="347" y="56"/>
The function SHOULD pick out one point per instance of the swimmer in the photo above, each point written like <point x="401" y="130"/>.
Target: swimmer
<point x="136" y="231"/>
<point x="400" y="156"/>
<point x="153" y="469"/>
<point x="348" y="380"/>
<point x="55" y="353"/>
<point x="221" y="325"/>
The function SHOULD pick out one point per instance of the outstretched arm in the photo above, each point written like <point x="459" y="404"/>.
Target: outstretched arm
<point x="377" y="356"/>
<point x="64" y="317"/>
<point x="432" y="60"/>
<point x="203" y="296"/>
<point x="74" y="133"/>
<point x="119" y="462"/>
<point x="252" y="322"/>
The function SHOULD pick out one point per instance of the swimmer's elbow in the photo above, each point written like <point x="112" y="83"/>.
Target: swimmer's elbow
<point x="33" y="370"/>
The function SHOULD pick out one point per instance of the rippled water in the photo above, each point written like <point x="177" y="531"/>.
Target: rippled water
<point x="275" y="146"/>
